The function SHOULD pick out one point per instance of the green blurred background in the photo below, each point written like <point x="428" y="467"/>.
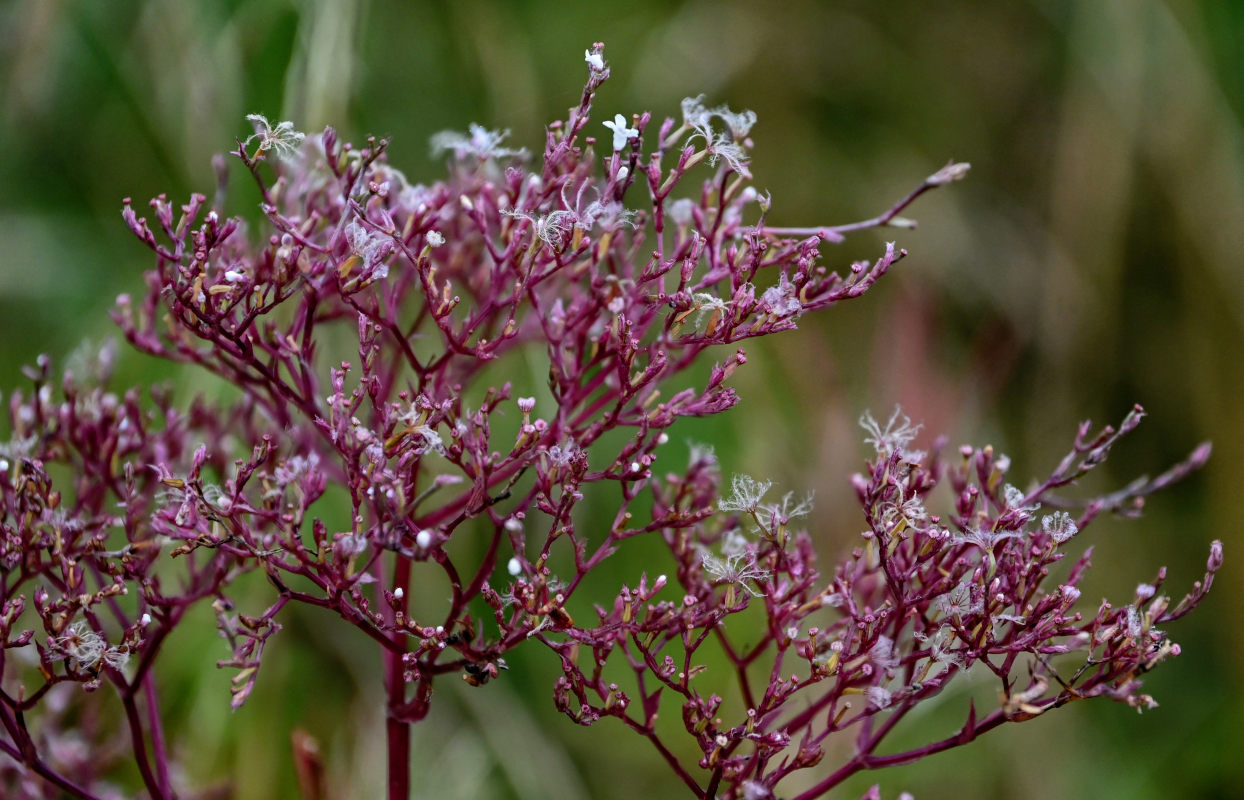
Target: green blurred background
<point x="1091" y="260"/>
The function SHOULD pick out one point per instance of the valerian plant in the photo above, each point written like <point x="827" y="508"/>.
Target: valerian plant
<point x="122" y="513"/>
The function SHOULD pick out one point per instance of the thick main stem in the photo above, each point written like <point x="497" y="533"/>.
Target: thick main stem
<point x="397" y="728"/>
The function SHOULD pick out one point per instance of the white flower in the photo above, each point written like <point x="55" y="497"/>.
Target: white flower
<point x="781" y="300"/>
<point x="435" y="239"/>
<point x="958" y="602"/>
<point x="552" y="229"/>
<point x="878" y="697"/>
<point x="746" y="493"/>
<point x="1059" y="526"/>
<point x="696" y="115"/>
<point x="736" y="568"/>
<point x="720" y="145"/>
<point x="431" y="440"/>
<point x="84" y="648"/>
<point x="896" y="435"/>
<point x="294" y="468"/>
<point x="733" y="543"/>
<point x="595" y="61"/>
<point x="680" y="211"/>
<point x="787" y="510"/>
<point x="1015" y="500"/>
<point x="562" y="455"/>
<point x="755" y="790"/>
<point x="371" y="248"/>
<point x="710" y="305"/>
<point x="514" y="567"/>
<point x="939" y="647"/>
<point x="348" y="546"/>
<point x="282" y="140"/>
<point x="983" y="539"/>
<point x="621" y="133"/>
<point x="701" y="453"/>
<point x="882" y="653"/>
<point x="481" y="143"/>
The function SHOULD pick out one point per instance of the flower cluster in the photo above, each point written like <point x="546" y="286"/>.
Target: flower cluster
<point x="364" y="325"/>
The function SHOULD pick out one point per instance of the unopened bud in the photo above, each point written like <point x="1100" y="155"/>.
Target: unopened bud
<point x="948" y="174"/>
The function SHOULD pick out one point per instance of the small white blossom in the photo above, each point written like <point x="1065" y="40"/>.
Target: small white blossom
<point x="480" y="143"/>
<point x="896" y="435"/>
<point x="514" y="567"/>
<point x="982" y="538"/>
<point x="938" y="645"/>
<point x="708" y="305"/>
<point x="431" y="440"/>
<point x="371" y="248"/>
<point x="878" y="697"/>
<point x="1059" y="526"/>
<point x="720" y="147"/>
<point x="561" y="455"/>
<point x="423" y="539"/>
<point x="738" y="568"/>
<point x="701" y="452"/>
<point x="958" y="602"/>
<point x="1015" y="500"/>
<point x="755" y="790"/>
<point x="595" y="61"/>
<point x="781" y="300"/>
<point x="746" y="493"/>
<point x="294" y="468"/>
<point x="434" y="238"/>
<point x="696" y="115"/>
<point x="282" y="140"/>
<point x="788" y="509"/>
<point x="680" y="211"/>
<point x="349" y="545"/>
<point x="621" y="133"/>
<point x="882" y="653"/>
<point x="734" y="543"/>
<point x="85" y="649"/>
<point x="552" y="229"/>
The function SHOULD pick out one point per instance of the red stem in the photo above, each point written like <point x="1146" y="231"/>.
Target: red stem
<point x="397" y="729"/>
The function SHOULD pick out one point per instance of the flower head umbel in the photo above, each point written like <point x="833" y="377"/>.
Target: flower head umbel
<point x="452" y="404"/>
